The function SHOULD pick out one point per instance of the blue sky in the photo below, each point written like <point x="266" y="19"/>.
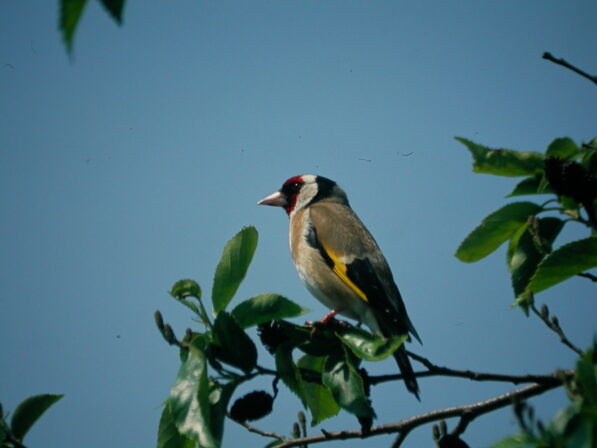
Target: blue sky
<point x="130" y="165"/>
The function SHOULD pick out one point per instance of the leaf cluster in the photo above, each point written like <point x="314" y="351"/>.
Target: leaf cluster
<point x="326" y="376"/>
<point x="565" y="171"/>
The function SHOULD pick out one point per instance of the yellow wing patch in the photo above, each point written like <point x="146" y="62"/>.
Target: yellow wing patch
<point x="340" y="269"/>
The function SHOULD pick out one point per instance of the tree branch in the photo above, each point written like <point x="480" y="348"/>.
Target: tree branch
<point x="257" y="430"/>
<point x="465" y="412"/>
<point x="435" y="370"/>
<point x="569" y="66"/>
<point x="554" y="325"/>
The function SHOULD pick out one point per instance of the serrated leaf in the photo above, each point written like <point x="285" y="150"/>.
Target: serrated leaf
<point x="318" y="398"/>
<point x="114" y="7"/>
<point x="168" y="435"/>
<point x="232" y="345"/>
<point x="368" y="346"/>
<point x="564" y="148"/>
<point x="189" y="401"/>
<point x="494" y="230"/>
<point x="526" y="250"/>
<point x="29" y="411"/>
<point x="503" y="162"/>
<point x="265" y="308"/>
<point x="341" y="377"/>
<point x="70" y="14"/>
<point x="232" y="268"/>
<point x="565" y="262"/>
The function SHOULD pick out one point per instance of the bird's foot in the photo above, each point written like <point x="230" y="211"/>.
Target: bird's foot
<point x="329" y="317"/>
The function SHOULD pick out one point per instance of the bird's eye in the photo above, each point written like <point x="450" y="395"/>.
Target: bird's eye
<point x="295" y="187"/>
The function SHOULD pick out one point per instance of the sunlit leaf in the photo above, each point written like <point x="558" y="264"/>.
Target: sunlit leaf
<point x="232" y="268"/>
<point x="503" y="162"/>
<point x="342" y="378"/>
<point x="189" y="401"/>
<point x="494" y="230"/>
<point x="318" y="398"/>
<point x="168" y="435"/>
<point x="368" y="346"/>
<point x="265" y="308"/>
<point x="29" y="411"/>
<point x="565" y="262"/>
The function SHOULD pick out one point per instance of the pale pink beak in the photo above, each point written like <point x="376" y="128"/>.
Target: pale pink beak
<point x="276" y="199"/>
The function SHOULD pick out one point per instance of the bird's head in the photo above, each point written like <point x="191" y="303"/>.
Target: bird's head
<point x="301" y="191"/>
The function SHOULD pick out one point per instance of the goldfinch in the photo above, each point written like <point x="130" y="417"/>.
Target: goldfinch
<point x="340" y="263"/>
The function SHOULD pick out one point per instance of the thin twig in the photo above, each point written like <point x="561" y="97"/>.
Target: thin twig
<point x="554" y="325"/>
<point x="588" y="275"/>
<point x="435" y="370"/>
<point x="257" y="430"/>
<point x="471" y="411"/>
<point x="569" y="66"/>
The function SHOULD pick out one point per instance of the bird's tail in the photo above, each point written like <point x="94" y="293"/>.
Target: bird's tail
<point x="407" y="371"/>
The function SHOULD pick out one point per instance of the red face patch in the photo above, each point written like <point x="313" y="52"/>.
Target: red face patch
<point x="290" y="190"/>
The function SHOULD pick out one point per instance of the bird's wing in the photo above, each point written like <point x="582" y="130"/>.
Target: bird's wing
<point x="350" y="251"/>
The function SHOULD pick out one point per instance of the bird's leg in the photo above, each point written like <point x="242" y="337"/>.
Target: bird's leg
<point x="328" y="317"/>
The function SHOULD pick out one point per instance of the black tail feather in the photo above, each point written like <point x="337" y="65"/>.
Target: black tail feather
<point x="407" y="371"/>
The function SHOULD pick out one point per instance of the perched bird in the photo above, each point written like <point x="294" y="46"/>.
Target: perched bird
<point x="340" y="263"/>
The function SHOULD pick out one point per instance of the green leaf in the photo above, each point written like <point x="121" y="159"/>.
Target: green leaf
<point x="232" y="345"/>
<point x="232" y="268"/>
<point x="530" y="185"/>
<point x="494" y="230"/>
<point x="503" y="162"/>
<point x="189" y="401"/>
<point x="219" y="397"/>
<point x="29" y="411"/>
<point x="319" y="399"/>
<point x="265" y="308"/>
<point x="589" y="158"/>
<point x="168" y="435"/>
<point x="114" y="7"/>
<point x="521" y="440"/>
<point x="586" y="376"/>
<point x="565" y="262"/>
<point x="368" y="346"/>
<point x="187" y="288"/>
<point x="288" y="372"/>
<point x="564" y="148"/>
<point x="70" y="13"/>
<point x="342" y="378"/>
<point x="526" y="250"/>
